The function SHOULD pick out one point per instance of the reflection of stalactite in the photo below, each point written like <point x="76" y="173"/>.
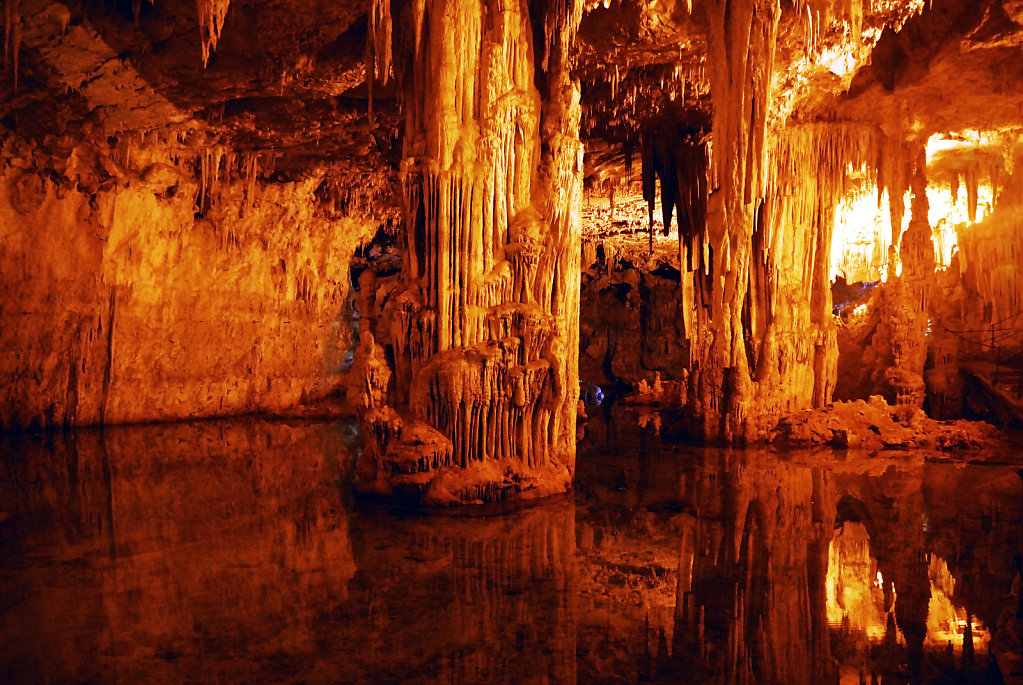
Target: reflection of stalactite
<point x="756" y="537"/>
<point x="483" y="328"/>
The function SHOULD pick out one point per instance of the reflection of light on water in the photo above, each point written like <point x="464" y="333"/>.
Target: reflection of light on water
<point x="855" y="596"/>
<point x="946" y="621"/>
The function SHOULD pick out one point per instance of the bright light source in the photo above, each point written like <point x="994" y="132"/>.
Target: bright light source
<point x="863" y="233"/>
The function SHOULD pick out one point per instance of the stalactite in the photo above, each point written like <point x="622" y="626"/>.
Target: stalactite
<point x="250" y="160"/>
<point x="381" y="40"/>
<point x="211" y="20"/>
<point x="209" y="176"/>
<point x="972" y="190"/>
<point x="12" y="37"/>
<point x="894" y="172"/>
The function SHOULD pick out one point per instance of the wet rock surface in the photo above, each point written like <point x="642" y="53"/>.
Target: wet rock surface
<point x="876" y="425"/>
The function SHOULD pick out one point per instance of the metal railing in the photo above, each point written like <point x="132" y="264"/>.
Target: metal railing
<point x="1001" y="343"/>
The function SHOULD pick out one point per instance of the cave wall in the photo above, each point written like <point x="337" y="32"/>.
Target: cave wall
<point x="630" y="325"/>
<point x="140" y="282"/>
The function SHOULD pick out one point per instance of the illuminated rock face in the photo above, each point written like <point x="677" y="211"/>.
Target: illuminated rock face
<point x="483" y="329"/>
<point x="156" y="295"/>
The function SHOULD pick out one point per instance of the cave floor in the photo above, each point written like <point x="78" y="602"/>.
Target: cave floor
<point x="234" y="551"/>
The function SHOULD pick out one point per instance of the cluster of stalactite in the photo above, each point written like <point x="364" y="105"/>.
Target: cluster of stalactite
<point x="991" y="251"/>
<point x="212" y="14"/>
<point x="790" y="332"/>
<point x="677" y="157"/>
<point x="483" y="328"/>
<point x="754" y="233"/>
<point x="991" y="257"/>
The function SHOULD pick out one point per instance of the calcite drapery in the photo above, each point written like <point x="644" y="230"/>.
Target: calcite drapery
<point x="756" y="302"/>
<point x="484" y="328"/>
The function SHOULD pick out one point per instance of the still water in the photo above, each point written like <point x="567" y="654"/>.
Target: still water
<point x="230" y="552"/>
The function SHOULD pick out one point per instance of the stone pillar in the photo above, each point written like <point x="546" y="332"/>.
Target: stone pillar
<point x="484" y="328"/>
<point x="908" y="298"/>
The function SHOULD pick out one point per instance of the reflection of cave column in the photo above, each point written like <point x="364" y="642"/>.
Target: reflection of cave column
<point x="494" y="589"/>
<point x="750" y="601"/>
<point x="823" y="506"/>
<point x="900" y="545"/>
<point x="486" y="328"/>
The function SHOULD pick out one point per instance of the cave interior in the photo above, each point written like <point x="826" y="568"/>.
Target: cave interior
<point x="665" y="340"/>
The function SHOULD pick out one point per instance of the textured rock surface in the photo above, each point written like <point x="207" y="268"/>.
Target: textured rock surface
<point x="876" y="425"/>
<point x="483" y="329"/>
<point x="124" y="302"/>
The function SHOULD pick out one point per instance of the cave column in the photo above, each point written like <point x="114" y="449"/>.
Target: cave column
<point x="908" y="311"/>
<point x="484" y="330"/>
<point x="742" y="37"/>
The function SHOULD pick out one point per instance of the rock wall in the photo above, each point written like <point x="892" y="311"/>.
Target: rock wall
<point x="153" y="281"/>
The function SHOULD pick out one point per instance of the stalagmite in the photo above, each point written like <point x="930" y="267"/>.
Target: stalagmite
<point x="908" y="297"/>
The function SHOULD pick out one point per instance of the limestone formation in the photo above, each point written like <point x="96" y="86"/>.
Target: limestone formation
<point x="426" y="212"/>
<point x="483" y="328"/>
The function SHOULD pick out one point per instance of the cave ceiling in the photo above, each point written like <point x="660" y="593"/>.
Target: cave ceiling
<point x="287" y="77"/>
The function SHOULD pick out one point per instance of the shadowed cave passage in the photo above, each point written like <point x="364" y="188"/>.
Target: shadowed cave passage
<point x="233" y="550"/>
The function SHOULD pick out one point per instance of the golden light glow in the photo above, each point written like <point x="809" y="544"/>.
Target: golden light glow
<point x="855" y="596"/>
<point x="961" y="140"/>
<point x="863" y="234"/>
<point x="946" y="621"/>
<point x="853" y="586"/>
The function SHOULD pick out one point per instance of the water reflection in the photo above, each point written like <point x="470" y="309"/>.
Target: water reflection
<point x="234" y="552"/>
